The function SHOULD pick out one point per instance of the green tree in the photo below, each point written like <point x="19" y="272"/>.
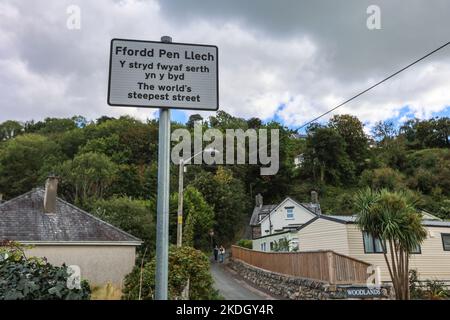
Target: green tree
<point x="326" y="156"/>
<point x="392" y="218"/>
<point x="24" y="161"/>
<point x="110" y="146"/>
<point x="356" y="142"/>
<point x="70" y="141"/>
<point x="227" y="196"/>
<point x="134" y="144"/>
<point x="136" y="217"/>
<point x="88" y="175"/>
<point x="223" y="120"/>
<point x="9" y="129"/>
<point x="130" y="181"/>
<point x="198" y="219"/>
<point x="254" y="123"/>
<point x="384" y="131"/>
<point x="52" y="125"/>
<point x="432" y="133"/>
<point x="383" y="178"/>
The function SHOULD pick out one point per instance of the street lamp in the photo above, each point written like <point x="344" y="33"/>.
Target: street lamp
<point x="211" y="234"/>
<point x="180" y="193"/>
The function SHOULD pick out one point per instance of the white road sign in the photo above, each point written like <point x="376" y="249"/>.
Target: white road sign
<point x="163" y="75"/>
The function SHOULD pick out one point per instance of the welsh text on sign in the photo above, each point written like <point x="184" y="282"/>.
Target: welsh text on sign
<point x="163" y="75"/>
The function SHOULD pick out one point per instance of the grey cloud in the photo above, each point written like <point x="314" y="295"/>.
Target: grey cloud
<point x="72" y="65"/>
<point x="409" y="28"/>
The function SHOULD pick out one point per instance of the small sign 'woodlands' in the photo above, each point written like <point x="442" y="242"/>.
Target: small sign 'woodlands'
<point x="156" y="74"/>
<point x="365" y="292"/>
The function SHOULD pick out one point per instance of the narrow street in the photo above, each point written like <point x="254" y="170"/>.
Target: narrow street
<point x="233" y="288"/>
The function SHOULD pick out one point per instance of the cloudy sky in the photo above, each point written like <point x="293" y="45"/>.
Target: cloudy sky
<point x="287" y="60"/>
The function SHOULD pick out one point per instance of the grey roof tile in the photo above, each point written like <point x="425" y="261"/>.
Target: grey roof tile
<point x="265" y="209"/>
<point x="23" y="219"/>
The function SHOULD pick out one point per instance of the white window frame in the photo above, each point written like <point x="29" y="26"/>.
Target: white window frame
<point x="288" y="209"/>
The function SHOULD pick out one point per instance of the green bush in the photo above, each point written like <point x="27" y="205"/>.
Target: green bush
<point x="282" y="245"/>
<point x="245" y="243"/>
<point x="387" y="178"/>
<point x="432" y="290"/>
<point x="184" y="263"/>
<point x="24" y="278"/>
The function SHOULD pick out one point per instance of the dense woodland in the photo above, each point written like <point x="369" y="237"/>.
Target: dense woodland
<point x="109" y="168"/>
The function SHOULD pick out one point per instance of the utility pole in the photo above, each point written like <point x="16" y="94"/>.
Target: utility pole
<point x="180" y="205"/>
<point x="181" y="195"/>
<point x="162" y="216"/>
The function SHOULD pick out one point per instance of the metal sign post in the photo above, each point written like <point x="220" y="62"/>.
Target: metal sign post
<point x="162" y="215"/>
<point x="165" y="75"/>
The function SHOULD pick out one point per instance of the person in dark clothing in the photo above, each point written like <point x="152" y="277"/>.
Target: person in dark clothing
<point x="216" y="253"/>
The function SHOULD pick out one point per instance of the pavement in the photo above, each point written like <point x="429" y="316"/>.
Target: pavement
<point x="231" y="287"/>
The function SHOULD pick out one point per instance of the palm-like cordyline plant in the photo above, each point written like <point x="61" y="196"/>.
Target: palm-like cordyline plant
<point x="391" y="217"/>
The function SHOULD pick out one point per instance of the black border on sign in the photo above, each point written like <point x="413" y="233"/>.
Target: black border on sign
<point x="169" y="43"/>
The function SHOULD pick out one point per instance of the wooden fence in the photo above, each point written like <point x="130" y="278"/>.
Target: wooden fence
<point x="327" y="266"/>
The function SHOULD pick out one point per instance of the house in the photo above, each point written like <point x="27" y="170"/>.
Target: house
<point x="299" y="160"/>
<point x="288" y="214"/>
<point x="342" y="235"/>
<point x="63" y="233"/>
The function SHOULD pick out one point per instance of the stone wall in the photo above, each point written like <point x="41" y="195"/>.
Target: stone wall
<point x="293" y="288"/>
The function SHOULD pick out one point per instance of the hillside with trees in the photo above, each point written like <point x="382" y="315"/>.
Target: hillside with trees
<point x="109" y="167"/>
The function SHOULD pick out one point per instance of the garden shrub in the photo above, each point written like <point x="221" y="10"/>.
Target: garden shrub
<point x="184" y="263"/>
<point x="23" y="278"/>
<point x="431" y="290"/>
<point x="245" y="243"/>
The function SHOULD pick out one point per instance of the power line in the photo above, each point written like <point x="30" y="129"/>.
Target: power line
<point x="368" y="89"/>
<point x="375" y="85"/>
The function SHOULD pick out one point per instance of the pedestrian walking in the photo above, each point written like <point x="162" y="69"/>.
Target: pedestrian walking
<point x="221" y="254"/>
<point x="216" y="253"/>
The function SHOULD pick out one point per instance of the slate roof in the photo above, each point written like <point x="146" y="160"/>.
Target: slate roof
<point x="265" y="209"/>
<point x="23" y="219"/>
<point x="436" y="223"/>
<point x="352" y="219"/>
<point x="313" y="207"/>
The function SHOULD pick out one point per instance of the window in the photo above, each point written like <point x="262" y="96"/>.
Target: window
<point x="271" y="246"/>
<point x="446" y="241"/>
<point x="263" y="246"/>
<point x="417" y="250"/>
<point x="371" y="244"/>
<point x="290" y="213"/>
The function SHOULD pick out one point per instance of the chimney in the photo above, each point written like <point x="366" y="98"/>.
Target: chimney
<point x="315" y="205"/>
<point x="314" y="197"/>
<point x="258" y="200"/>
<point x="51" y="192"/>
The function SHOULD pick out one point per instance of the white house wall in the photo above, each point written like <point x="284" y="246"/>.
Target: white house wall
<point x="432" y="263"/>
<point x="279" y="220"/>
<point x="268" y="239"/>
<point x="324" y="234"/>
<point x="98" y="264"/>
